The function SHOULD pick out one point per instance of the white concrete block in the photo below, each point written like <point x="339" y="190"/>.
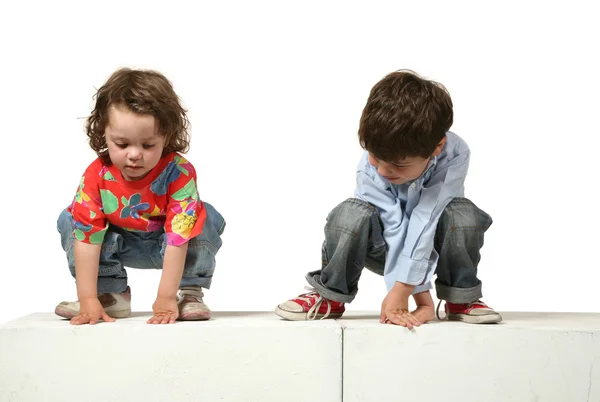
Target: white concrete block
<point x="233" y="357"/>
<point x="528" y="357"/>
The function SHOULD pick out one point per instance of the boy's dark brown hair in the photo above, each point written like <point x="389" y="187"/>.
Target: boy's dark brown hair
<point x="143" y="92"/>
<point x="405" y="116"/>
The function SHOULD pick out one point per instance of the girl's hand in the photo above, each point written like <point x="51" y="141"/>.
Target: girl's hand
<point x="90" y="311"/>
<point x="165" y="311"/>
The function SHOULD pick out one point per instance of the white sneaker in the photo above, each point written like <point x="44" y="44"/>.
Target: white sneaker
<point x="191" y="305"/>
<point x="116" y="305"/>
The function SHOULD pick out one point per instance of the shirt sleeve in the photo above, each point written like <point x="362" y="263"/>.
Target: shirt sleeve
<point x="185" y="215"/>
<point x="418" y="255"/>
<point x="87" y="215"/>
<point x="395" y="222"/>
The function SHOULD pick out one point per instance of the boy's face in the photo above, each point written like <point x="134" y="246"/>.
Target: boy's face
<point x="134" y="144"/>
<point x="404" y="170"/>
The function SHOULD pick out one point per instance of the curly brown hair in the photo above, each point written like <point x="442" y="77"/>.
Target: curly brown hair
<point x="405" y="116"/>
<point x="143" y="92"/>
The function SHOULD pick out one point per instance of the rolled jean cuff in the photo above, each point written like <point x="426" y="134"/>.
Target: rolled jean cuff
<point x="314" y="280"/>
<point x="458" y="295"/>
<point x="196" y="281"/>
<point x="111" y="285"/>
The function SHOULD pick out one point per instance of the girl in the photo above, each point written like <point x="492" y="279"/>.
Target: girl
<point x="138" y="205"/>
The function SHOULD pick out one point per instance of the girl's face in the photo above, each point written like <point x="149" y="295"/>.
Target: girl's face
<point x="134" y="143"/>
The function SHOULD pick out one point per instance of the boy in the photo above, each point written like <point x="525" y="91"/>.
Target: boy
<point x="408" y="219"/>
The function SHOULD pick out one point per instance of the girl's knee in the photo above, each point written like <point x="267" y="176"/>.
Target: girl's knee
<point x="64" y="223"/>
<point x="214" y="218"/>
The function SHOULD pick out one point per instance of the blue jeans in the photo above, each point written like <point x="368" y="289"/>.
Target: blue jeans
<point x="354" y="240"/>
<point x="122" y="248"/>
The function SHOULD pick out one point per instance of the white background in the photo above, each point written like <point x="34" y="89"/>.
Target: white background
<point x="274" y="92"/>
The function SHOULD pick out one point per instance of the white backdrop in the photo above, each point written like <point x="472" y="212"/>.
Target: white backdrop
<point x="274" y="92"/>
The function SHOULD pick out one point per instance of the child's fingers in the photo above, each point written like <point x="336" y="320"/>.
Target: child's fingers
<point x="404" y="323"/>
<point x="96" y="317"/>
<point x="106" y="317"/>
<point x="162" y="318"/>
<point x="404" y="319"/>
<point x="413" y="320"/>
<point x="81" y="319"/>
<point x="397" y="319"/>
<point x="410" y="319"/>
<point x="382" y="316"/>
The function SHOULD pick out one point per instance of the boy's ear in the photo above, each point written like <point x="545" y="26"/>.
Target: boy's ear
<point x="439" y="147"/>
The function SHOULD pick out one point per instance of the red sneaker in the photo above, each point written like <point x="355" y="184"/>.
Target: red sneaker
<point x="310" y="306"/>
<point x="474" y="313"/>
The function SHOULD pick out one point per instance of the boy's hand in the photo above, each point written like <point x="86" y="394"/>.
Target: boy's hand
<point x="165" y="310"/>
<point x="425" y="307"/>
<point x="424" y="313"/>
<point x="394" y="309"/>
<point x="90" y="311"/>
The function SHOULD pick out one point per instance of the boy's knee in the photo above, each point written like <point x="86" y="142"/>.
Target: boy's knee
<point x="462" y="212"/>
<point x="351" y="214"/>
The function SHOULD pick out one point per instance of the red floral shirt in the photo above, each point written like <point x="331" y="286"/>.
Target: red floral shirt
<point x="166" y="198"/>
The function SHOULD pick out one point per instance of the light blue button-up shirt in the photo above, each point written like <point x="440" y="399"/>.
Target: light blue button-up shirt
<point x="410" y="211"/>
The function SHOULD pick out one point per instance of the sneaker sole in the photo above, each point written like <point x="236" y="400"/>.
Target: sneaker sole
<point x="64" y="313"/>
<point x="194" y="317"/>
<point x="476" y="319"/>
<point x="295" y="316"/>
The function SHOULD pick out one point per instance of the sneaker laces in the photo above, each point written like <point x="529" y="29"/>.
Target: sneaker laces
<point x="480" y="303"/>
<point x="314" y="310"/>
<point x="437" y="312"/>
